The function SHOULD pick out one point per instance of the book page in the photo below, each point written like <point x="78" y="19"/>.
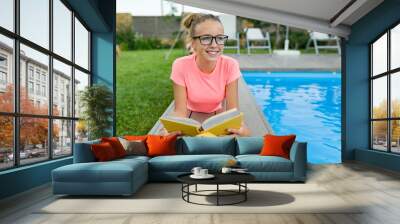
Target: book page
<point x="183" y="120"/>
<point x="185" y="125"/>
<point x="220" y="118"/>
<point x="220" y="129"/>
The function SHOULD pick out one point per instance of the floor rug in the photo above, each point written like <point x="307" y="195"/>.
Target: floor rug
<point x="167" y="198"/>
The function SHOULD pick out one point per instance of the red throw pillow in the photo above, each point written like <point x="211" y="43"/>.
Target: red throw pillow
<point x="116" y="145"/>
<point x="135" y="137"/>
<point x="103" y="152"/>
<point x="159" y="145"/>
<point x="277" y="145"/>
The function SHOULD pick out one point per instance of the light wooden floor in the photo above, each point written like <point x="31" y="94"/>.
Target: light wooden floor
<point x="378" y="189"/>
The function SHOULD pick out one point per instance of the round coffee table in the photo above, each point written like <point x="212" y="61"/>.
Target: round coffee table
<point x="238" y="179"/>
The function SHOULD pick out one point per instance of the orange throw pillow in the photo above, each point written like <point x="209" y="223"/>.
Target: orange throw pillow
<point x="116" y="145"/>
<point x="103" y="152"/>
<point x="135" y="137"/>
<point x="277" y="145"/>
<point x="159" y="145"/>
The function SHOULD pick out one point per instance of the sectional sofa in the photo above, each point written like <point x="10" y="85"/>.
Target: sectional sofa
<point x="125" y="176"/>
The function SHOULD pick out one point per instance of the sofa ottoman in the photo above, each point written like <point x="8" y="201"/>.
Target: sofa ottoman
<point x="87" y="177"/>
<point x="119" y="177"/>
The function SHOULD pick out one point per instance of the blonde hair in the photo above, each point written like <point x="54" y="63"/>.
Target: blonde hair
<point x="190" y="22"/>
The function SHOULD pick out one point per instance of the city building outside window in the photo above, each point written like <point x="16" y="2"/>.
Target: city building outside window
<point x="43" y="90"/>
<point x="3" y="78"/>
<point x="3" y="61"/>
<point x="37" y="74"/>
<point x="3" y="71"/>
<point x="30" y="72"/>
<point x="44" y="77"/>
<point x="30" y="87"/>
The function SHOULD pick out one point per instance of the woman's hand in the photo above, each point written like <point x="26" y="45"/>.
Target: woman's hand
<point x="242" y="131"/>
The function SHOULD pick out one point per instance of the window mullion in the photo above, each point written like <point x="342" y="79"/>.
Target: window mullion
<point x="50" y="81"/>
<point x="16" y="84"/>
<point x="73" y="82"/>
<point x="389" y="106"/>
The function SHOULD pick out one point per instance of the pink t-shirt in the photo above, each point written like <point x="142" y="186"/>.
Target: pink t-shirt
<point x="205" y="92"/>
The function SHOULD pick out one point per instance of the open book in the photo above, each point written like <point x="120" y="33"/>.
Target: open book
<point x="217" y="124"/>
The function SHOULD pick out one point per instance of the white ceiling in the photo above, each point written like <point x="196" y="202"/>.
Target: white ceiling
<point x="321" y="9"/>
<point x="316" y="15"/>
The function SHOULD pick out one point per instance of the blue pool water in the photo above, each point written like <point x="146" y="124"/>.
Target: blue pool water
<point x="307" y="104"/>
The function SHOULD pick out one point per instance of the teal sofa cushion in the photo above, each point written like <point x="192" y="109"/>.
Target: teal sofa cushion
<point x="249" y="145"/>
<point x="185" y="163"/>
<point x="206" y="145"/>
<point x="128" y="159"/>
<point x="257" y="163"/>
<point x="83" y="153"/>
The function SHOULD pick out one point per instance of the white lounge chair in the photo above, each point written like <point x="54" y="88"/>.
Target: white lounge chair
<point x="318" y="38"/>
<point x="229" y="23"/>
<point x="256" y="35"/>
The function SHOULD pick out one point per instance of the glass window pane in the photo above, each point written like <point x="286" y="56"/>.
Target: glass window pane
<point x="81" y="45"/>
<point x="62" y="29"/>
<point x="62" y="89"/>
<point x="81" y="81"/>
<point x="395" y="94"/>
<point x="379" y="135"/>
<point x="35" y="21"/>
<point x="395" y="47"/>
<point x="7" y="14"/>
<point x="379" y="97"/>
<point x="33" y="140"/>
<point x="34" y="97"/>
<point x="379" y="56"/>
<point x="395" y="136"/>
<point x="62" y="138"/>
<point x="6" y="74"/>
<point x="6" y="142"/>
<point x="81" y="131"/>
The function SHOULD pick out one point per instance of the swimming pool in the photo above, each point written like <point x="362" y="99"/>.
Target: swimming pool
<point x="307" y="104"/>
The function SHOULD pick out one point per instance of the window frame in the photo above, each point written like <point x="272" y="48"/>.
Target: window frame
<point x="16" y="114"/>
<point x="388" y="74"/>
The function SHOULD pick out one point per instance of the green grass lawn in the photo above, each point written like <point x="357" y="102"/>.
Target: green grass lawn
<point x="144" y="89"/>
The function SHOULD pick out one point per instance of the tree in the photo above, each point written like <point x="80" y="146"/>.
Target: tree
<point x="380" y="128"/>
<point x="125" y="34"/>
<point x="33" y="130"/>
<point x="6" y="122"/>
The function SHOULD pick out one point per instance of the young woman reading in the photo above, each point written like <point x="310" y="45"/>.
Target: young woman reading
<point x="205" y="79"/>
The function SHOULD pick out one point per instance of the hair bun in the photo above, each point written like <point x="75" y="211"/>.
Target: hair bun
<point x="188" y="20"/>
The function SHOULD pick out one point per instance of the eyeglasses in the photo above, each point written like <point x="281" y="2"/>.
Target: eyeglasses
<point x="207" y="39"/>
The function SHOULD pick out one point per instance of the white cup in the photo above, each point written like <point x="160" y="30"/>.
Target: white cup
<point x="196" y="171"/>
<point x="203" y="172"/>
<point x="226" y="170"/>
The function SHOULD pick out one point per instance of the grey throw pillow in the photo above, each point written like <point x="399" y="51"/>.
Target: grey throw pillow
<point x="137" y="147"/>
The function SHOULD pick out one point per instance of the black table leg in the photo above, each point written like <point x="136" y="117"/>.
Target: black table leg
<point x="217" y="194"/>
<point x="188" y="189"/>
<point x="245" y="193"/>
<point x="196" y="188"/>
<point x="182" y="190"/>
